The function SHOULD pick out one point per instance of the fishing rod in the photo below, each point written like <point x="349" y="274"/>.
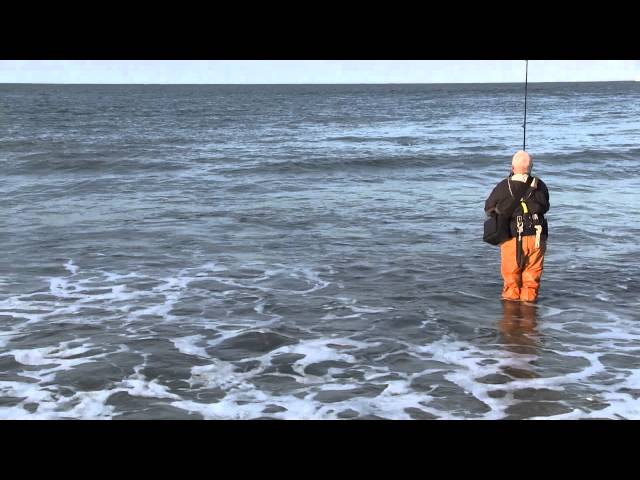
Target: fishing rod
<point x="524" y="125"/>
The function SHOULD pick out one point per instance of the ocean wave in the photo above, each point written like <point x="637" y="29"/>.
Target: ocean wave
<point x="476" y="158"/>
<point x="401" y="140"/>
<point x="41" y="163"/>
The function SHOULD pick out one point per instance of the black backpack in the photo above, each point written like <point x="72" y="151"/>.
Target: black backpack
<point x="496" y="227"/>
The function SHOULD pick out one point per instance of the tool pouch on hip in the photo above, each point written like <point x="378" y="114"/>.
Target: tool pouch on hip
<point x="496" y="229"/>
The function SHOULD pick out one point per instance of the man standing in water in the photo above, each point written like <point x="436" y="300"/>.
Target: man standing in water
<point x="525" y="199"/>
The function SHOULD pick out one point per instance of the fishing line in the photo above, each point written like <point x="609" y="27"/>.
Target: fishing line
<point x="524" y="125"/>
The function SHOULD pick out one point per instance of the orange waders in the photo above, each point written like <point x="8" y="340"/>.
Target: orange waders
<point x="522" y="283"/>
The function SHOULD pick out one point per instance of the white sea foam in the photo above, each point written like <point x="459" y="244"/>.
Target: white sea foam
<point x="70" y="266"/>
<point x="331" y="316"/>
<point x="464" y="360"/>
<point x="141" y="387"/>
<point x="370" y="309"/>
<point x="187" y="345"/>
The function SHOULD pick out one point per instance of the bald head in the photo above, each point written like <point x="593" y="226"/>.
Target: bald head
<point x="521" y="162"/>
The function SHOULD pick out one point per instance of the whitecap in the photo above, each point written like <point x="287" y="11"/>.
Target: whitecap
<point x="71" y="267"/>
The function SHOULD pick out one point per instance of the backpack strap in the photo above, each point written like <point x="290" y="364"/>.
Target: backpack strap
<point x="532" y="183"/>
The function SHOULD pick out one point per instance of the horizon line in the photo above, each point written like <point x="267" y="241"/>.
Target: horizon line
<point x="326" y="83"/>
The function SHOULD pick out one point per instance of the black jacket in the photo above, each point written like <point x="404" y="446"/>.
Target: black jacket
<point x="501" y="201"/>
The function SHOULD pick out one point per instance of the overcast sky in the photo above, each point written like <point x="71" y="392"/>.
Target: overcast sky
<point x="313" y="71"/>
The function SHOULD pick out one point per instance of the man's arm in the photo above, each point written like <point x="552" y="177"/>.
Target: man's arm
<point x="492" y="201"/>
